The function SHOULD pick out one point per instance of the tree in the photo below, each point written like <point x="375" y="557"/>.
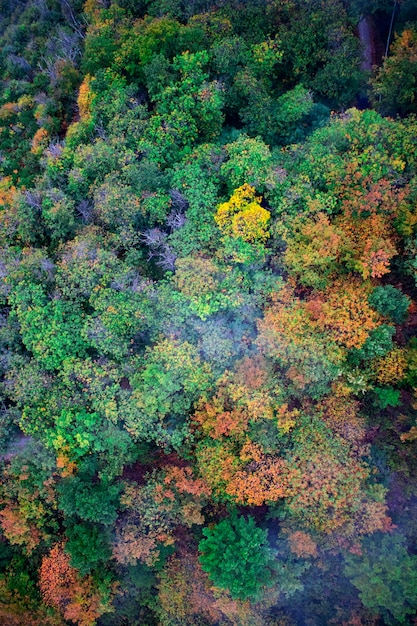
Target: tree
<point x="170" y="497"/>
<point x="390" y="302"/>
<point x="28" y="516"/>
<point x="91" y="501"/>
<point x="314" y="250"/>
<point x="116" y="322"/>
<point x="58" y="211"/>
<point x="328" y="489"/>
<point x="218" y="417"/>
<point x="319" y="48"/>
<point x="217" y="463"/>
<point x="263" y="479"/>
<point x="188" y="111"/>
<point x="184" y="593"/>
<point x="394" y="85"/>
<point x="200" y="281"/>
<point x="293" y="335"/>
<point x="347" y="314"/>
<point x="187" y="597"/>
<point x="103" y="38"/>
<point x="78" y="599"/>
<point x="243" y="216"/>
<point x="249" y="163"/>
<point x="340" y="412"/>
<point x="52" y="330"/>
<point x="236" y="557"/>
<point x="164" y="390"/>
<point x="196" y="178"/>
<point x="386" y="576"/>
<point x="377" y="344"/>
<point x="85" y="266"/>
<point x="87" y="546"/>
<point x="296" y="115"/>
<point x="390" y="369"/>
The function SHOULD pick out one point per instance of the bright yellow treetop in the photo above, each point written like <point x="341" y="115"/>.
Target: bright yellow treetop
<point x="243" y="216"/>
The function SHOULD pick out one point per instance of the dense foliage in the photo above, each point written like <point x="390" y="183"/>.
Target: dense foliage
<point x="208" y="272"/>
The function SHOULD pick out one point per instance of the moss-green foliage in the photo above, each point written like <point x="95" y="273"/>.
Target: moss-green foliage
<point x="386" y="396"/>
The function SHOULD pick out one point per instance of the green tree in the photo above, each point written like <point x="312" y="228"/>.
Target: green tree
<point x="103" y="38"/>
<point x="51" y="329"/>
<point x="188" y="111"/>
<point x="386" y="577"/>
<point x="89" y="499"/>
<point x="236" y="556"/>
<point x="378" y="343"/>
<point x="116" y="322"/>
<point x="249" y="162"/>
<point x="85" y="267"/>
<point x="196" y="181"/>
<point x="88" y="547"/>
<point x="390" y="302"/>
<point x="170" y="381"/>
<point x="386" y="396"/>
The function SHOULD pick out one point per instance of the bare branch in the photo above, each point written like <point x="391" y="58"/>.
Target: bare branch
<point x="154" y="237"/>
<point x="166" y="258"/>
<point x="85" y="210"/>
<point x="176" y="219"/>
<point x="178" y="200"/>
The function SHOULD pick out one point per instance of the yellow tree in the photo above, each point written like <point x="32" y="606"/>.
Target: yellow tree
<point x="243" y="216"/>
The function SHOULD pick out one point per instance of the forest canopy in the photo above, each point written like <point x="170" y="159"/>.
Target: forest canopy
<point x="208" y="273"/>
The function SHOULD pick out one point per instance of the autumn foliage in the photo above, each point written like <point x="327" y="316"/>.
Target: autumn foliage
<point x="243" y="216"/>
<point x="208" y="281"/>
<point x="76" y="598"/>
